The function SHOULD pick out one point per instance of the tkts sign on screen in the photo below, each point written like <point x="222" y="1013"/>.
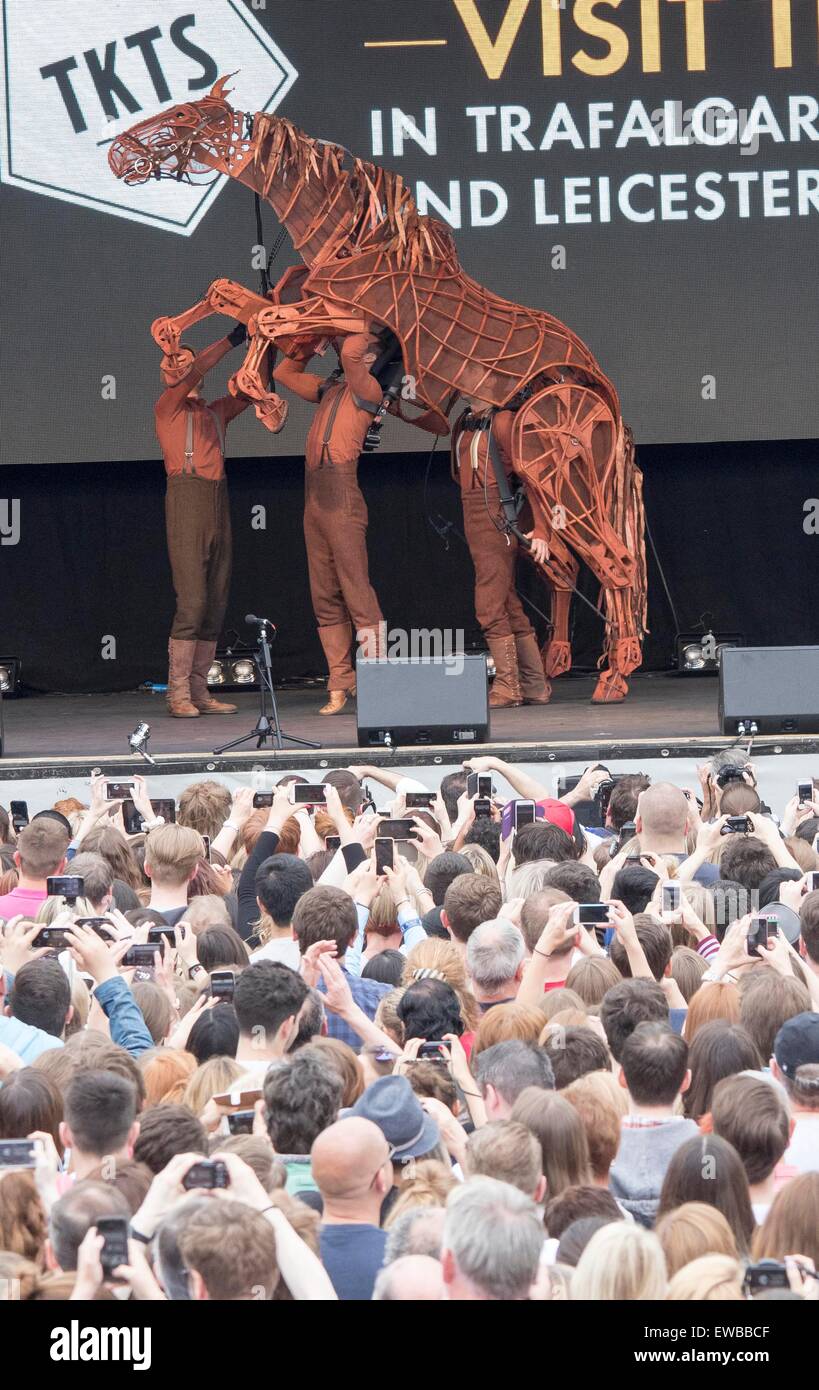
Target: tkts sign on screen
<point x="76" y="72"/>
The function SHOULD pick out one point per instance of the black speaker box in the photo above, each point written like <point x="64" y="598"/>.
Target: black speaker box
<point x="775" y="688"/>
<point x="416" y="701"/>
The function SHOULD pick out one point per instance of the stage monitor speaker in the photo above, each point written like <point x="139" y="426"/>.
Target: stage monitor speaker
<point x="775" y="689"/>
<point x="409" y="701"/>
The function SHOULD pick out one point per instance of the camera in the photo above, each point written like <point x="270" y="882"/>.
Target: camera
<point x="209" y="1173"/>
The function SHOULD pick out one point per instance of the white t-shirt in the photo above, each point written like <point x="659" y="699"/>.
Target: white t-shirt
<point x="283" y="949"/>
<point x="803" y="1150"/>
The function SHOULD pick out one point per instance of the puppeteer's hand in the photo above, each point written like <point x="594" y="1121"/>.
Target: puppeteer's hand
<point x="238" y="335"/>
<point x="539" y="550"/>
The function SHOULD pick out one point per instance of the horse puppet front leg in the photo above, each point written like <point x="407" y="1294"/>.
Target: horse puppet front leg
<point x="578" y="467"/>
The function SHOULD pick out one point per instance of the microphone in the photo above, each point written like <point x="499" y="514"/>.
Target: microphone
<point x="262" y="622"/>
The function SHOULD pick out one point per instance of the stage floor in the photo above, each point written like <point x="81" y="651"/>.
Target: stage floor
<point x="43" y="732"/>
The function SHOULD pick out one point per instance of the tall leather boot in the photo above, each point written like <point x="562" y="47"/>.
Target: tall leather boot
<point x="534" y="687"/>
<point x="200" y="694"/>
<point x="506" y="685"/>
<point x="180" y="662"/>
<point x="336" y="639"/>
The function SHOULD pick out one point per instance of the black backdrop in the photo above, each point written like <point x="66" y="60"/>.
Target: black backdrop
<point x="90" y="565"/>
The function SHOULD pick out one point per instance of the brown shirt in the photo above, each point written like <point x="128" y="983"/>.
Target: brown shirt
<point x="342" y="419"/>
<point x="208" y="422"/>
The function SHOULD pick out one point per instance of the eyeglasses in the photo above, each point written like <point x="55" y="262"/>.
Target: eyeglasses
<point x="387" y="1159"/>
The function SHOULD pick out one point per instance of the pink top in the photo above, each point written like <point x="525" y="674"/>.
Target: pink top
<point x="25" y="901"/>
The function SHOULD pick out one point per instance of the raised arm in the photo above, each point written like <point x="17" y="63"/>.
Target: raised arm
<point x="173" y="396"/>
<point x="291" y="373"/>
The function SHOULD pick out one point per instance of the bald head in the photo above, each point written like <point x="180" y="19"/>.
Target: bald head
<point x="662" y="810"/>
<point x="347" y="1158"/>
<point x="412" y="1279"/>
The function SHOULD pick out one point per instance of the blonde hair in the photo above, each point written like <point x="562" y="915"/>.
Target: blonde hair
<point x="450" y="966"/>
<point x="709" y="1279"/>
<point x="212" y="1078"/>
<point x="692" y="1230"/>
<point x="386" y="1015"/>
<point x="592" y="978"/>
<point x="427" y="1183"/>
<point x="481" y="862"/>
<point x="172" y="852"/>
<point x="622" y="1262"/>
<point x="81" y="1004"/>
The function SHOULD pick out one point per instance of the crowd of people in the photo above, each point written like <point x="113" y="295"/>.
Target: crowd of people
<point x="250" y="1053"/>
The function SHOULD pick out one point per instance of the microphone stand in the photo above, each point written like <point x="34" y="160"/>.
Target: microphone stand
<point x="267" y="730"/>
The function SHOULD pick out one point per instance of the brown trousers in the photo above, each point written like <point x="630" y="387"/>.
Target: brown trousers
<point x="335" y="532"/>
<point x="200" y="549"/>
<point x="497" y="606"/>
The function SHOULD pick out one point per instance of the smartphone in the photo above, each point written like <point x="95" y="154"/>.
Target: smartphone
<point x="156" y="935"/>
<point x="18" y="811"/>
<point x="761" y="930"/>
<point x="332" y="842"/>
<point x="222" y="984"/>
<point x="397" y="829"/>
<point x="384" y="854"/>
<point x="813" y="881"/>
<point x="241" y="1121"/>
<point x="590" y="914"/>
<point x="628" y="831"/>
<point x="206" y="843"/>
<point x="434" y="1052"/>
<point x="18" y="1153"/>
<point x="483" y="807"/>
<point x="132" y="818"/>
<point x="262" y="799"/>
<point x="479" y="784"/>
<point x="767" y="1274"/>
<point x="238" y="1100"/>
<point x="118" y="791"/>
<point x="210" y="1172"/>
<point x="307" y="794"/>
<point x="55" y="938"/>
<point x="419" y="801"/>
<point x="114" y="1232"/>
<point x="672" y="897"/>
<point x="738" y="825"/>
<point x="523" y="813"/>
<point x="68" y="886"/>
<point x="141" y="955"/>
<point x="804" y="793"/>
<point x="101" y="925"/>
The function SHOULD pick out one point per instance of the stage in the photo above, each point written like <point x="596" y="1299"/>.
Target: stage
<point x="664" y="716"/>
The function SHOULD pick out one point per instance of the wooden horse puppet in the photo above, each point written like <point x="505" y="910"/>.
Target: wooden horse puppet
<point x="372" y="260"/>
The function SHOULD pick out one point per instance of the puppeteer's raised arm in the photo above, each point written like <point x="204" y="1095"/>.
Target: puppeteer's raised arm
<point x="173" y="396"/>
<point x="290" y="373"/>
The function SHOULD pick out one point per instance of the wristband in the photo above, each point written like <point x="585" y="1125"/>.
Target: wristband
<point x="230" y="825"/>
<point x="547" y="955"/>
<point x="137" y="1235"/>
<point x="192" y="969"/>
<point x="401" y="902"/>
<point x="153" y="824"/>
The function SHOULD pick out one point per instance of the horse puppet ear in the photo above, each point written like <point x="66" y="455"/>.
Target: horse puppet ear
<point x="220" y="89"/>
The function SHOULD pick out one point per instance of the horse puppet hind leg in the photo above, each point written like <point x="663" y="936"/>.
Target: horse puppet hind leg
<point x="567" y="447"/>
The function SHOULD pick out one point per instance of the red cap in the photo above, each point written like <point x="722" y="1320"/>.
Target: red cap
<point x="558" y="813"/>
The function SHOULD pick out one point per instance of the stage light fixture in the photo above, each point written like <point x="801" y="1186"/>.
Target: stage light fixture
<point x="10" y="676"/>
<point x="700" y="653"/>
<point x="244" y="672"/>
<point x="231" y="669"/>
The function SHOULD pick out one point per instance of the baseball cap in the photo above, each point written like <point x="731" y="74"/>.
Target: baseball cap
<point x="557" y="813"/>
<point x="797" y="1044"/>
